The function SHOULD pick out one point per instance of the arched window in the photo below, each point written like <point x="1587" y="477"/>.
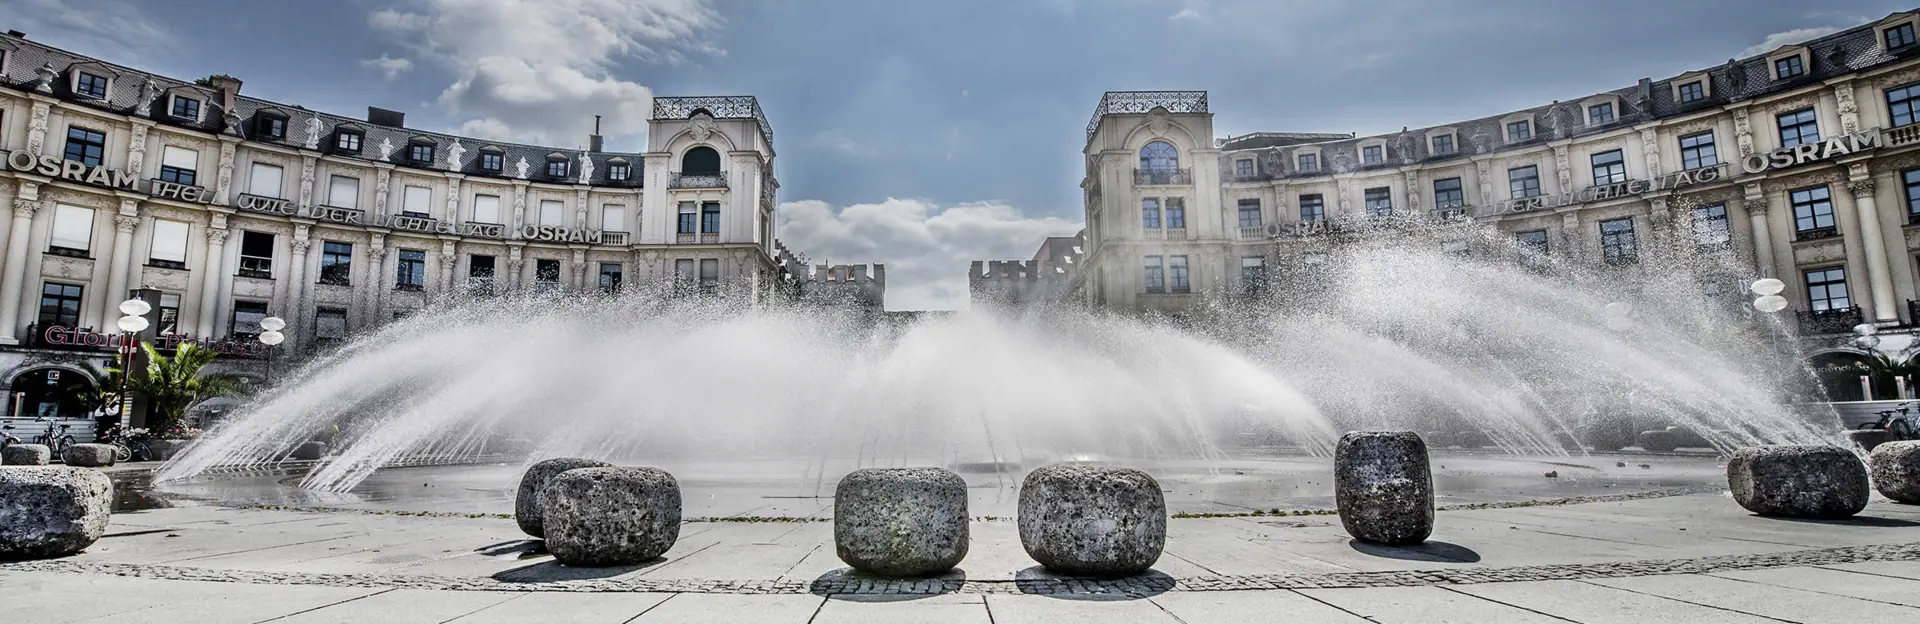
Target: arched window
<point x="50" y="393"/>
<point x="1159" y="156"/>
<point x="700" y="161"/>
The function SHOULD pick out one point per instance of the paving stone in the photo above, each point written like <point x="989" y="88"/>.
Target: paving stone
<point x="729" y="609"/>
<point x="1864" y="586"/>
<point x="572" y="607"/>
<point x="940" y="609"/>
<point x="404" y="606"/>
<point x="1594" y="604"/>
<point x="1244" y="606"/>
<point x="1424" y="605"/>
<point x="1764" y="600"/>
<point x="1028" y="609"/>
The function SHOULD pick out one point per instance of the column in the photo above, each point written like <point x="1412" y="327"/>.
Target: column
<point x="123" y="225"/>
<point x="448" y="258"/>
<point x="16" y="268"/>
<point x="296" y="286"/>
<point x="210" y="281"/>
<point x="513" y="268"/>
<point x="377" y="277"/>
<point x="1879" y="275"/>
<point x="1762" y="237"/>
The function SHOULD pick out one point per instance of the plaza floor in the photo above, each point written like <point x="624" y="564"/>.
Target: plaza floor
<point x="1695" y="558"/>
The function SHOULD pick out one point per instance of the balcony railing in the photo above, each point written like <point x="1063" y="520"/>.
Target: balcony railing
<point x="1834" y="321"/>
<point x="1816" y="234"/>
<point x="684" y="237"/>
<point x="1162" y="177"/>
<point x="1250" y="177"/>
<point x="1903" y="135"/>
<point x="709" y="238"/>
<point x="480" y="286"/>
<point x="1166" y="234"/>
<point x="698" y="181"/>
<point x="1449" y="213"/>
<point x="1253" y="232"/>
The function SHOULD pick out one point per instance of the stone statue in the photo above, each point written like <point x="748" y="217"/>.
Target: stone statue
<point x="520" y="168"/>
<point x="454" y="155"/>
<point x="386" y="148"/>
<point x="586" y="168"/>
<point x="313" y="133"/>
<point x="147" y="96"/>
<point x="47" y="75"/>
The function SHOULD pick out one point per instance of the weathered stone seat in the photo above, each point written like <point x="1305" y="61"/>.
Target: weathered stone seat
<point x="88" y="455"/>
<point x="528" y="511"/>
<point x="1092" y="520"/>
<point x="901" y="521"/>
<point x="1438" y="439"/>
<point x="1384" y="487"/>
<point x="1472" y="439"/>
<point x="310" y="450"/>
<point x="26" y="455"/>
<point x="1798" y="481"/>
<point x="1896" y="471"/>
<point x="51" y="511"/>
<point x="1869" y="439"/>
<point x="1658" y="441"/>
<point x="611" y="516"/>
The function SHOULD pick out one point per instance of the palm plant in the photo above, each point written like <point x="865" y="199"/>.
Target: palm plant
<point x="175" y="384"/>
<point x="1883" y="369"/>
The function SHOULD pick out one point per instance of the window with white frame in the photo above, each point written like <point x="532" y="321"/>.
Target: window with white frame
<point x="1609" y="167"/>
<point x="613" y="217"/>
<point x="1696" y="151"/>
<point x="179" y="165"/>
<point x="486" y="209"/>
<point x="552" y="212"/>
<point x="1373" y="154"/>
<point x="343" y="192"/>
<point x="417" y="202"/>
<point x="1519" y="130"/>
<point x="168" y="247"/>
<point x="1693" y="91"/>
<point x="1443" y="144"/>
<point x="264" y="180"/>
<point x="1600" y="114"/>
<point x="72" y="230"/>
<point x="185" y="108"/>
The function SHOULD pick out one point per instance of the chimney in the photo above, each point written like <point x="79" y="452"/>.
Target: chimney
<point x="1646" y="89"/>
<point x="16" y="34"/>
<point x="383" y="117"/>
<point x="593" y="140"/>
<point x="229" y="87"/>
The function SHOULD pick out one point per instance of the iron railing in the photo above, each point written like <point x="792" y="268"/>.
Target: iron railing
<point x="720" y="107"/>
<point x="698" y="180"/>
<point x="1831" y="321"/>
<point x="1159" y="177"/>
<point x="1122" y="102"/>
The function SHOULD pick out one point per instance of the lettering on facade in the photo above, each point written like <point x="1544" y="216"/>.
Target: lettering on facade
<point x="70" y="170"/>
<point x="269" y="205"/>
<point x="62" y="336"/>
<point x="560" y="234"/>
<point x="179" y="192"/>
<point x="1603" y="192"/>
<point x="1812" y="152"/>
<point x="489" y="230"/>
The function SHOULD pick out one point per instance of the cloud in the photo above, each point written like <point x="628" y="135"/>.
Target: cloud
<point x="539" y="72"/>
<point x="926" y="247"/>
<point x="1191" y="10"/>
<point x="388" y="66"/>
<point x="1789" y="37"/>
<point x="103" y="28"/>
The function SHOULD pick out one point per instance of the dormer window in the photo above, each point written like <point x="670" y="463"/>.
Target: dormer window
<point x="491" y="159"/>
<point x="1692" y="91"/>
<point x="1373" y="154"/>
<point x="618" y="170"/>
<point x="1600" y="114"/>
<point x="90" y="85"/>
<point x="556" y="165"/>
<point x="1789" y="67"/>
<point x="186" y="108"/>
<point x="269" y="125"/>
<point x="1898" y="37"/>
<point x="348" y="141"/>
<point x="1308" y="162"/>
<point x="420" y="151"/>
<point x="1518" y="131"/>
<point x="1443" y="144"/>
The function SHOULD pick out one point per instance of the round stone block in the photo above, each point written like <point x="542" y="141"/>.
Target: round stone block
<point x="310" y="451"/>
<point x="528" y="510"/>
<point x="1092" y="520"/>
<point x="25" y="455"/>
<point x="1798" y="481"/>
<point x="1658" y="441"/>
<point x="1471" y="439"/>
<point x="1438" y="439"/>
<point x="1869" y="439"/>
<point x="51" y="511"/>
<point x="611" y="516"/>
<point x="163" y="450"/>
<point x="1384" y="487"/>
<point x="901" y="521"/>
<point x="88" y="455"/>
<point x="1896" y="471"/>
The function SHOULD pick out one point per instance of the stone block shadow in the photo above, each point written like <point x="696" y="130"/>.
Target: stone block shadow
<point x="1430" y="550"/>
<point x="1038" y="581"/>
<point x="853" y="585"/>
<point x="550" y="571"/>
<point x="1867" y="521"/>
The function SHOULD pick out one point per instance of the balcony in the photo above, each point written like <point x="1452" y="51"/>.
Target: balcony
<point x="684" y="238"/>
<point x="613" y="238"/>
<point x="1815" y="234"/>
<point x="1173" y="234"/>
<point x="698" y="181"/>
<point x="1252" y="232"/>
<point x="1834" y="321"/>
<point x="1162" y="177"/>
<point x="1903" y="135"/>
<point x="1449" y="213"/>
<point x="709" y="238"/>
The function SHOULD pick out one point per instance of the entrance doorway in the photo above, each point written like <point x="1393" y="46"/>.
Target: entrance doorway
<point x="51" y="393"/>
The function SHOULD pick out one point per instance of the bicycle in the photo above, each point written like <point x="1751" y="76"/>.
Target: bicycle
<point x="56" y="443"/>
<point x="6" y="438"/>
<point x="1900" y="427"/>
<point x="124" y="448"/>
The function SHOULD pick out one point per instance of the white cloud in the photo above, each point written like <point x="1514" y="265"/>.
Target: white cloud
<point x="101" y="28"/>
<point x="927" y="248"/>
<point x="1796" y="35"/>
<point x="539" y="71"/>
<point x="1191" y="10"/>
<point x="388" y="66"/>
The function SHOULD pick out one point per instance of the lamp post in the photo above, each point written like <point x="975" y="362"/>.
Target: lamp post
<point x="130" y="325"/>
<point x="272" y="338"/>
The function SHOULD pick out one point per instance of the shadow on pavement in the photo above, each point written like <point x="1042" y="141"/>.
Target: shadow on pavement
<point x="1869" y="521"/>
<point x="547" y="571"/>
<point x="1430" y="550"/>
<point x="855" y="586"/>
<point x="1038" y="581"/>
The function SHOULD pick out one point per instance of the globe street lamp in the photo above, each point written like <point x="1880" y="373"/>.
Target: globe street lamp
<point x="272" y="338"/>
<point x="134" y="322"/>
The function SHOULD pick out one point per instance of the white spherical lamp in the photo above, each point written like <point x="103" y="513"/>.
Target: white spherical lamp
<point x="1768" y="286"/>
<point x="1770" y="303"/>
<point x="273" y="323"/>
<point x="135" y="307"/>
<point x="132" y="324"/>
<point x="272" y="338"/>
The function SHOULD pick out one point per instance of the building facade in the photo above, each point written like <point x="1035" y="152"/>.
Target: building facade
<point x="222" y="209"/>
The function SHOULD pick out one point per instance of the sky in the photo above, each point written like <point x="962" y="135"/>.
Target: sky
<point x="924" y="134"/>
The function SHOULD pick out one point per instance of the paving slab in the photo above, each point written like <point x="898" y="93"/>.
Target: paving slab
<point x="1595" y="604"/>
<point x="1424" y="605"/>
<point x="940" y="609"/>
<point x="234" y="603"/>
<point x="1835" y="582"/>
<point x="732" y="608"/>
<point x="402" y="606"/>
<point x="1025" y="609"/>
<point x="1901" y="569"/>
<point x="572" y="607"/>
<point x="1243" y="607"/>
<point x="55" y="598"/>
<point x="1764" y="600"/>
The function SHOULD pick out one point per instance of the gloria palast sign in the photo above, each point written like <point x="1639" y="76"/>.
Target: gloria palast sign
<point x="97" y="175"/>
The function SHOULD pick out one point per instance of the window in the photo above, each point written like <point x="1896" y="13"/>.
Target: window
<point x="490" y="161"/>
<point x="246" y="317"/>
<point x="480" y="267"/>
<point x="700" y="161"/>
<point x="60" y="305"/>
<point x="683" y="271"/>
<point x="556" y="168"/>
<point x="329" y="325"/>
<point x="1911" y="180"/>
<point x="1379" y="202"/>
<point x="270" y="126"/>
<point x="168" y="245"/>
<point x="1150" y="213"/>
<point x="343" y="192"/>
<point x="256" y="254"/>
<point x="1600" y="114"/>
<point x="1177" y="274"/>
<point x="610" y="277"/>
<point x="1901" y="103"/>
<point x="336" y="263"/>
<point x="1455" y="248"/>
<point x="72" y="230"/>
<point x="709" y="275"/>
<point x="1789" y="67"/>
<point x="90" y="85"/>
<point x="169" y="314"/>
<point x="1519" y="131"/>
<point x="1532" y="244"/>
<point x="1693" y="92"/>
<point x="1312" y="208"/>
<point x="1156" y="277"/>
<point x="264" y="180"/>
<point x="86" y="146"/>
<point x="552" y="212"/>
<point x="1609" y="167"/>
<point x="619" y="172"/>
<point x="1898" y="37"/>
<point x="416" y="202"/>
<point x="1617" y="243"/>
<point x="689" y="215"/>
<point x="1443" y="144"/>
<point x="178" y="165"/>
<point x="710" y="218"/>
<point x="1243" y="167"/>
<point x="613" y="218"/>
<point x="1373" y="154"/>
<point x="1447" y="194"/>
<point x="546" y="274"/>
<point x="412" y="270"/>
<point x="1710" y="227"/>
<point x="1176" y="213"/>
<point x="420" y="153"/>
<point x="348" y="141"/>
<point x="486" y="209"/>
<point x="1696" y="151"/>
<point x="1812" y="212"/>
<point x="1249" y="213"/>
<point x="1253" y="273"/>
<point x="1309" y="162"/>
<point x="1826" y="290"/>
<point x="1798" y="127"/>
<point x="1159" y="156"/>
<point x="1523" y="181"/>
<point x="186" y="107"/>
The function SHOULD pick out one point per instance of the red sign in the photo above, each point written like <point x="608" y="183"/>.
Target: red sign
<point x="71" y="337"/>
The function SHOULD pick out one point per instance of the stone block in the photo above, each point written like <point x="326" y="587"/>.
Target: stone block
<point x="1658" y="441"/>
<point x="1438" y="439"/>
<point x="310" y="451"/>
<point x="528" y="510"/>
<point x="26" y="455"/>
<point x="612" y="516"/>
<point x="901" y="522"/>
<point x="1383" y="486"/>
<point x="163" y="450"/>
<point x="1798" y="481"/>
<point x="51" y="511"/>
<point x="1896" y="471"/>
<point x="1869" y="439"/>
<point x="1092" y="520"/>
<point x="1472" y="439"/>
<point x="88" y="455"/>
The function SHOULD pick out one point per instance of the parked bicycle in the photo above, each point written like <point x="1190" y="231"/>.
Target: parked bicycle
<point x="6" y="436"/>
<point x="57" y="443"/>
<point x="1900" y="427"/>
<point x="125" y="448"/>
